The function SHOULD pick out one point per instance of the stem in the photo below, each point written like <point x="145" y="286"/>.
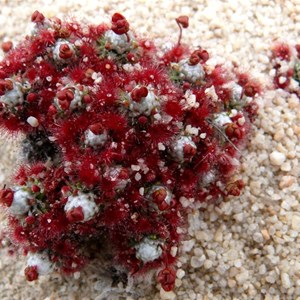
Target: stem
<point x="128" y="38"/>
<point x="180" y="34"/>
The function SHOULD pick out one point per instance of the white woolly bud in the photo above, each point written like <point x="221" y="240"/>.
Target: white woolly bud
<point x="13" y="97"/>
<point x="56" y="49"/>
<point x="86" y="202"/>
<point x="145" y="106"/>
<point x="189" y="72"/>
<point x="19" y="204"/>
<point x="208" y="178"/>
<point x="77" y="100"/>
<point x="222" y="119"/>
<point x="148" y="250"/>
<point x="177" y="148"/>
<point x="118" y="42"/>
<point x="237" y="92"/>
<point x="95" y="140"/>
<point x="41" y="261"/>
<point x="113" y="174"/>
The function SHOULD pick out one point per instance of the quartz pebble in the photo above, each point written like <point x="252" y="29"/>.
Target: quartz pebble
<point x="286" y="181"/>
<point x="285" y="279"/>
<point x="277" y="158"/>
<point x="33" y="122"/>
<point x="296" y="222"/>
<point x="167" y="295"/>
<point x="197" y="262"/>
<point x="180" y="273"/>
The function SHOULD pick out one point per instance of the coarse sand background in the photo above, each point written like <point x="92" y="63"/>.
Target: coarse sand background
<point x="245" y="248"/>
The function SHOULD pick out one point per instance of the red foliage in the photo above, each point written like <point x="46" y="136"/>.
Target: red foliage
<point x="286" y="67"/>
<point x="175" y="54"/>
<point x="174" y="109"/>
<point x="126" y="132"/>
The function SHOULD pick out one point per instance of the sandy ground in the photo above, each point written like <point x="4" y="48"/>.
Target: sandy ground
<point x="246" y="248"/>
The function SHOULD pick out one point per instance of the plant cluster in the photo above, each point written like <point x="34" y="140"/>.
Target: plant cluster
<point x="286" y="67"/>
<point x="118" y="135"/>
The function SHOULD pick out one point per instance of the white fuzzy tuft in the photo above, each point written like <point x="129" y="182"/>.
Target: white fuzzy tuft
<point x="86" y="202"/>
<point x="13" y="97"/>
<point x="191" y="73"/>
<point x="158" y="187"/>
<point x="56" y="50"/>
<point x="113" y="175"/>
<point x="222" y="119"/>
<point x="95" y="140"/>
<point x="118" y="42"/>
<point x="148" y="250"/>
<point x="20" y="204"/>
<point x="145" y="106"/>
<point x="177" y="148"/>
<point x="41" y="261"/>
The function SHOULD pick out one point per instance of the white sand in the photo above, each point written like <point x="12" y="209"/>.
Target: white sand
<point x="248" y="247"/>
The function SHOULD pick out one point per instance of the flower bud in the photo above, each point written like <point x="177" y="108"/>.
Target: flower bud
<point x="234" y="131"/>
<point x="31" y="97"/>
<point x="159" y="195"/>
<point x="298" y="50"/>
<point x="64" y="104"/>
<point x="75" y="215"/>
<point x="87" y="99"/>
<point x="65" y="190"/>
<point x="65" y="94"/>
<point x="194" y="59"/>
<point x="166" y="278"/>
<point x="65" y="52"/>
<point x="183" y="21"/>
<point x="142" y="120"/>
<point x="138" y="93"/>
<point x="7" y="46"/>
<point x="183" y="149"/>
<point x="5" y="85"/>
<point x="123" y="173"/>
<point x="235" y="188"/>
<point x="30" y="220"/>
<point x="119" y="24"/>
<point x="198" y="56"/>
<point x="189" y="150"/>
<point x="6" y="197"/>
<point x="131" y="57"/>
<point x="37" y="17"/>
<point x="37" y="264"/>
<point x="251" y="89"/>
<point x="35" y="188"/>
<point x="31" y="273"/>
<point x="52" y="110"/>
<point x="96" y="128"/>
